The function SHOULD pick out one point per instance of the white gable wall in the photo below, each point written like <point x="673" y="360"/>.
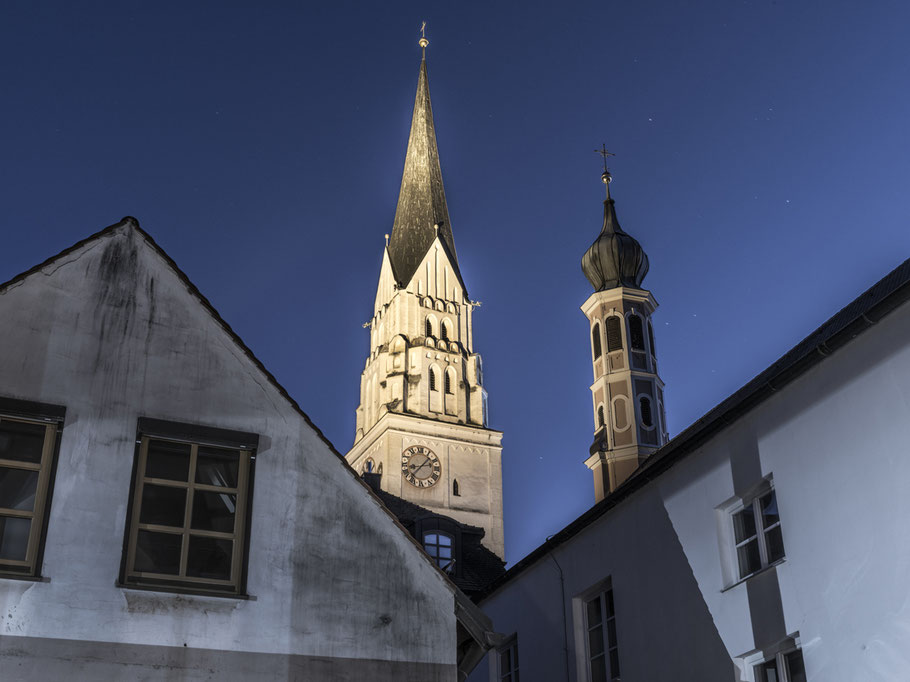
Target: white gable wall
<point x="112" y="333"/>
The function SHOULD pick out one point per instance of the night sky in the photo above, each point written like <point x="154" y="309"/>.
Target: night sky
<point x="762" y="160"/>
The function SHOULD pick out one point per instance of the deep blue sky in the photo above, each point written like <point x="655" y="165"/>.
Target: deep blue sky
<point x="762" y="159"/>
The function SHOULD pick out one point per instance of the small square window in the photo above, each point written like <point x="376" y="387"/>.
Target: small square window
<point x="508" y="661"/>
<point x="757" y="535"/>
<point x="189" y="509"/>
<point x="28" y="448"/>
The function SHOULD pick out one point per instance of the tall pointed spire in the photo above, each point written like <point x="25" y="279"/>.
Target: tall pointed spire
<point x="422" y="199"/>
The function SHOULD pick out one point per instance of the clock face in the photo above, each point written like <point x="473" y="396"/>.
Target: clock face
<point x="420" y="466"/>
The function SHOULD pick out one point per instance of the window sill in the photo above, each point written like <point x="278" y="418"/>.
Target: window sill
<point x="765" y="569"/>
<point x="25" y="578"/>
<point x="183" y="591"/>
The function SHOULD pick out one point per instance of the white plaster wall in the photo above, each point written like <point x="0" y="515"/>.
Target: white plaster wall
<point x="112" y="333"/>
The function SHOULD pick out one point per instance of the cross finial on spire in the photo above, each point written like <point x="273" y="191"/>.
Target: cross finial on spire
<point x="423" y="42"/>
<point x="606" y="177"/>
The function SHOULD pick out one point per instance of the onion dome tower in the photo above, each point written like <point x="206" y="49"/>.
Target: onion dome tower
<point x="627" y="393"/>
<point x="422" y="418"/>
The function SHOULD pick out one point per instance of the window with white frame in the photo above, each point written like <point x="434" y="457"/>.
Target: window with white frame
<point x="757" y="533"/>
<point x="782" y="667"/>
<point x="601" y="647"/>
<point x="508" y="661"/>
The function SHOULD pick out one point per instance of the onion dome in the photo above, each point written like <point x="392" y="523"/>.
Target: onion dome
<point x="615" y="259"/>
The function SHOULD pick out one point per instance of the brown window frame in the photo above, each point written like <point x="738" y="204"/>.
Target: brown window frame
<point x="50" y="417"/>
<point x="245" y="444"/>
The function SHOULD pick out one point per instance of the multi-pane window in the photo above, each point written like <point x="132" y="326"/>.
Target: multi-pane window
<point x="27" y="450"/>
<point x="595" y="340"/>
<point x="508" y="661"/>
<point x="784" y="667"/>
<point x="757" y="534"/>
<point x="439" y="547"/>
<point x="188" y="514"/>
<point x="614" y="333"/>
<point x="603" y="649"/>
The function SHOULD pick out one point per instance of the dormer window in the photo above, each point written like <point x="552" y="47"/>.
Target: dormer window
<point x="439" y="547"/>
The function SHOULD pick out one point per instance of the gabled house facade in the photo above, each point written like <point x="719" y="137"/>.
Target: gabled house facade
<point x="167" y="511"/>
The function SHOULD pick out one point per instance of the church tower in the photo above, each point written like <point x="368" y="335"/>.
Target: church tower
<point x="422" y="419"/>
<point x="627" y="393"/>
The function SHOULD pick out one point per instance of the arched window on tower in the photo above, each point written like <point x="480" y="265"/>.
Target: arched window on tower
<point x="429" y="327"/>
<point x="651" y="338"/>
<point x="455" y="488"/>
<point x="433" y="379"/>
<point x="600" y="416"/>
<point x="614" y="333"/>
<point x="647" y="419"/>
<point x="444" y="330"/>
<point x="636" y="333"/>
<point x="595" y="340"/>
<point x="449" y="381"/>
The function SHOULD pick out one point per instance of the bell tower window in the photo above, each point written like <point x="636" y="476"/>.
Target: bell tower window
<point x="433" y="379"/>
<point x="647" y="418"/>
<point x="428" y="327"/>
<point x="595" y="340"/>
<point x="651" y="338"/>
<point x="600" y="416"/>
<point x="636" y="333"/>
<point x="614" y="333"/>
<point x="448" y="384"/>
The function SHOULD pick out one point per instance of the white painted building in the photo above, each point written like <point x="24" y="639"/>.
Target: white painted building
<point x="168" y="512"/>
<point x="767" y="542"/>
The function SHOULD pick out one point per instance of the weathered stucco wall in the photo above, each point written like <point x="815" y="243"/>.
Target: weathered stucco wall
<point x="834" y="442"/>
<point x="112" y="333"/>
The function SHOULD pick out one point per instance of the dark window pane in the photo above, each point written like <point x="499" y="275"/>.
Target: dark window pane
<point x="215" y="466"/>
<point x="614" y="664"/>
<point x="795" y="666"/>
<point x="596" y="641"/>
<point x="608" y="597"/>
<point x="21" y="442"/>
<point x="168" y="460"/>
<point x="595" y="339"/>
<point x="611" y="632"/>
<point x="744" y="524"/>
<point x="647" y="418"/>
<point x="767" y="672"/>
<point x="775" y="544"/>
<point x="214" y="511"/>
<point x="505" y="661"/>
<point x="749" y="558"/>
<point x="768" y="506"/>
<point x="209" y="558"/>
<point x="163" y="505"/>
<point x="636" y="333"/>
<point x="614" y="334"/>
<point x="17" y="489"/>
<point x="14" y="538"/>
<point x="599" y="670"/>
<point x="158" y="552"/>
<point x="594" y="612"/>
